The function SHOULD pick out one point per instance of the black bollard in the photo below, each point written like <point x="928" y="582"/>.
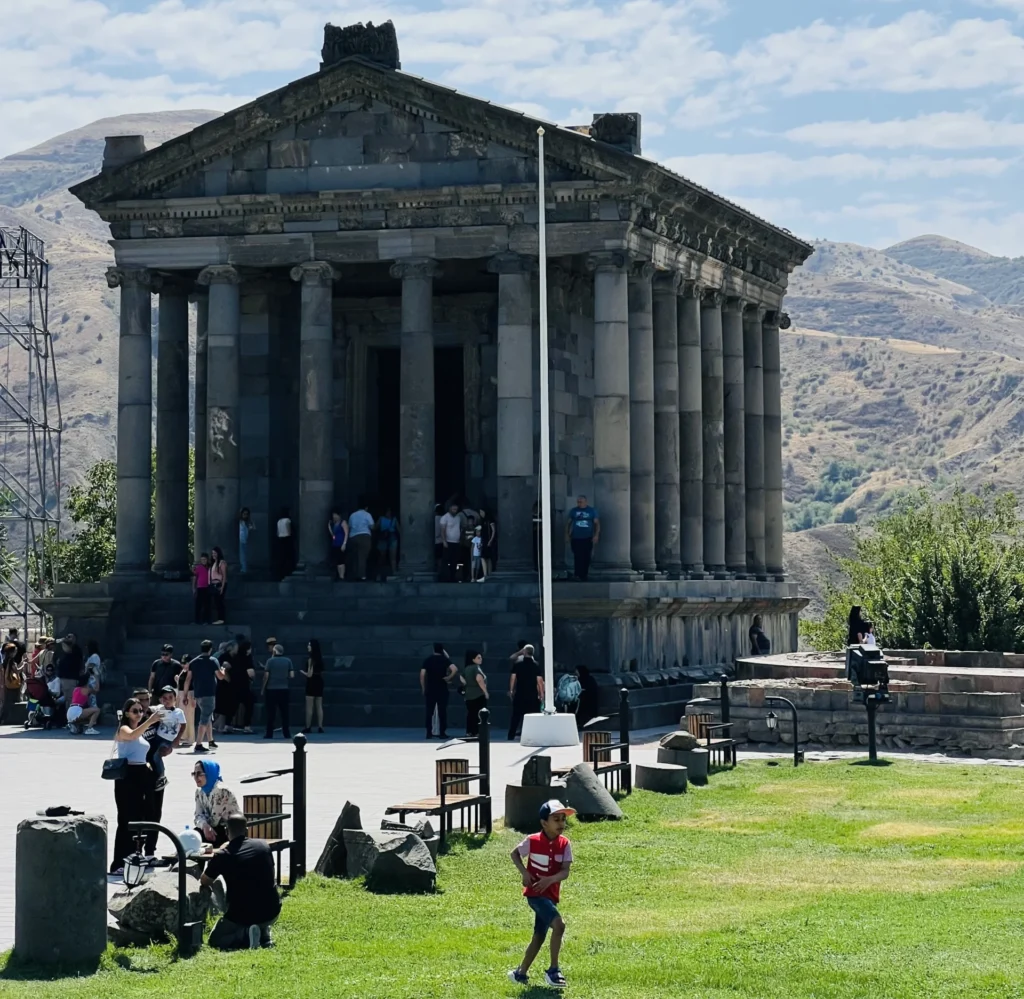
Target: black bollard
<point x="624" y="738"/>
<point x="298" y="847"/>
<point x="871" y="703"/>
<point x="725" y="698"/>
<point x="484" y="740"/>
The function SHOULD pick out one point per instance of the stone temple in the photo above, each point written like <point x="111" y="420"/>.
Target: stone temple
<point x="361" y="249"/>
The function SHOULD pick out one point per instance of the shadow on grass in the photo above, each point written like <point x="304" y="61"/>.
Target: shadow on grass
<point x="17" y="970"/>
<point x="467" y="840"/>
<point x="871" y="763"/>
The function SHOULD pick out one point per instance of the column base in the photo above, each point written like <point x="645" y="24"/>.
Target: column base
<point x="739" y="574"/>
<point x="779" y="577"/>
<point x="672" y="570"/>
<point x="697" y="574"/>
<point x="613" y="573"/>
<point x="171" y="573"/>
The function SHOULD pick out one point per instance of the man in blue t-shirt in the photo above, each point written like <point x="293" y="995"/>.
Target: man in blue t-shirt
<point x="583" y="530"/>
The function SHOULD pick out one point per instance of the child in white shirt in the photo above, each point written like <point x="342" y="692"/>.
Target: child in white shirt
<point x="476" y="544"/>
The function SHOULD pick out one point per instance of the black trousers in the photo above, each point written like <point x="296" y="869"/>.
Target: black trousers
<point x="450" y="556"/>
<point x="473" y="707"/>
<point x="275" y="701"/>
<point x="436" y="699"/>
<point x="582" y="549"/>
<point x="218" y="603"/>
<point x="519" y="709"/>
<point x="134" y="797"/>
<point x="243" y="699"/>
<point x="204" y="605"/>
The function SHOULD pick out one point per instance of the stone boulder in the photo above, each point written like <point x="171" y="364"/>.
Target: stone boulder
<point x="152" y="909"/>
<point x="332" y="862"/>
<point x="392" y="862"/>
<point x="679" y="740"/>
<point x="585" y="792"/>
<point x="423" y="829"/>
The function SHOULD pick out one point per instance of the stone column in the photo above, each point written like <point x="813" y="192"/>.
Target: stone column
<point x="641" y="418"/>
<point x="171" y="548"/>
<point x="772" y="445"/>
<point x="316" y="412"/>
<point x="223" y="432"/>
<point x="199" y="541"/>
<point x="732" y="388"/>
<point x="666" y="424"/>
<point x="517" y="484"/>
<point x="691" y="433"/>
<point x="134" y="418"/>
<point x="753" y="437"/>
<point x="713" y="430"/>
<point x="416" y="408"/>
<point x="611" y="413"/>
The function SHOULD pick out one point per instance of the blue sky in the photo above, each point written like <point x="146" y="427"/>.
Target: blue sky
<point x="863" y="120"/>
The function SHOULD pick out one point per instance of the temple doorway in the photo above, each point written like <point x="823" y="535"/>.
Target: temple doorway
<point x="387" y="453"/>
<point x="449" y="424"/>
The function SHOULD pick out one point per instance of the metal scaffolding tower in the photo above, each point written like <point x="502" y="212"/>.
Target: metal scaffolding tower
<point x="30" y="424"/>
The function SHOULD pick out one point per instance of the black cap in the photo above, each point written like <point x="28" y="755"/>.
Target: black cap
<point x="168" y="690"/>
<point x="167" y="649"/>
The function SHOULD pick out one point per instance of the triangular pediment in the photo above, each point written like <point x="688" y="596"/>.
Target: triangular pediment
<point x="355" y="126"/>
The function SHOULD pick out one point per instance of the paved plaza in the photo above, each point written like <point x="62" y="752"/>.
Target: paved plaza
<point x="372" y="767"/>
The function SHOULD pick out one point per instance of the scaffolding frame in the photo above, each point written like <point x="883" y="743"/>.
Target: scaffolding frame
<point x="30" y="427"/>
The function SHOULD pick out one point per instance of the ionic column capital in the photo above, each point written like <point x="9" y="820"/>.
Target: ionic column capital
<point x="415" y="267"/>
<point x="691" y="289"/>
<point x="607" y="260"/>
<point x="668" y="283"/>
<point x="712" y="298"/>
<point x="317" y="273"/>
<point x="138" y="277"/>
<point x="733" y="303"/>
<point x="219" y="274"/>
<point x="754" y="311"/>
<point x="511" y="263"/>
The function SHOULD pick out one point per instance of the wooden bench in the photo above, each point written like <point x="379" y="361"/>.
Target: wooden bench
<point x="598" y="747"/>
<point x="721" y="751"/>
<point x="452" y="780"/>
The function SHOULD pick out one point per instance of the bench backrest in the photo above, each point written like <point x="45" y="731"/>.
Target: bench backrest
<point x="697" y="725"/>
<point x="264" y="804"/>
<point x="452" y="768"/>
<point x="593" y="738"/>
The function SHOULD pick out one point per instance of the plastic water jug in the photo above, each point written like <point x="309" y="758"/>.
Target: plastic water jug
<point x="191" y="841"/>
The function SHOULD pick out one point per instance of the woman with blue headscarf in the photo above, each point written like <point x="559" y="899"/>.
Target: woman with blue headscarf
<point x="214" y="802"/>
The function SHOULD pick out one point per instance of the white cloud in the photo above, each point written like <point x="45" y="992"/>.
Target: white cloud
<point x="940" y="130"/>
<point x="771" y="169"/>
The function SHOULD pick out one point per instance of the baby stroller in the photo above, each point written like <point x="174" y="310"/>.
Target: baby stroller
<point x="41" y="705"/>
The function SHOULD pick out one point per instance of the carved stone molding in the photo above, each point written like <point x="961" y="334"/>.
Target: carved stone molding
<point x="770" y="318"/>
<point x="754" y="310"/>
<point x="734" y="304"/>
<point x="415" y="267"/>
<point x="511" y="263"/>
<point x="641" y="270"/>
<point x="315" y="272"/>
<point x="668" y="283"/>
<point x="219" y="274"/>
<point x="692" y="289"/>
<point x="712" y="298"/>
<point x="607" y="260"/>
<point x="784" y="321"/>
<point x="121" y="277"/>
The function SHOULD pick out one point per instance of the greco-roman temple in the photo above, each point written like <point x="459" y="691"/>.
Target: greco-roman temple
<point x="361" y="250"/>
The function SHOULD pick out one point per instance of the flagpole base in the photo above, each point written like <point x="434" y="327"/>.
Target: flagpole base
<point x="543" y="731"/>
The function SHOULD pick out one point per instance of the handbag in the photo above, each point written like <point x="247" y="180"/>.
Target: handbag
<point x="114" y="767"/>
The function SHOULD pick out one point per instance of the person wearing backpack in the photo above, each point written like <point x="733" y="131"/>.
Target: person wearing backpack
<point x="567" y="693"/>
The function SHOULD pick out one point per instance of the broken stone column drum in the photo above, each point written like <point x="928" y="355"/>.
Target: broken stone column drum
<point x="60" y="889"/>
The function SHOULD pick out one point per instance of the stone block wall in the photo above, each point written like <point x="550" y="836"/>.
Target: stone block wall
<point x="360" y="144"/>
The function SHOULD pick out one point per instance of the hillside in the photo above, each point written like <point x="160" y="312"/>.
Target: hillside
<point x="999" y="279"/>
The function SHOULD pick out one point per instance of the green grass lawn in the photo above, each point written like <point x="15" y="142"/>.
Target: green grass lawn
<point x="833" y="880"/>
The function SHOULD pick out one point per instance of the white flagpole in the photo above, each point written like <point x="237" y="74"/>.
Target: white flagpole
<point x="547" y="615"/>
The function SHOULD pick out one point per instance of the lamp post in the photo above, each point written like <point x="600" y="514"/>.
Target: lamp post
<point x="773" y="723"/>
<point x="546" y="728"/>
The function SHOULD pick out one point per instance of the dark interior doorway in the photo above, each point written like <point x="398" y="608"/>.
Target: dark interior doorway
<point x="389" y="369"/>
<point x="449" y="424"/>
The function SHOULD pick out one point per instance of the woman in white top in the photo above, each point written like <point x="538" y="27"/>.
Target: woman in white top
<point x="284" y="558"/>
<point x="132" y="792"/>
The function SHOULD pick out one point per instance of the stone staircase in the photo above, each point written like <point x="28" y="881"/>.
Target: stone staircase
<point x="373" y="644"/>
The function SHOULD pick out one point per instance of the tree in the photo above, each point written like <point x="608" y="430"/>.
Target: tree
<point x="935" y="574"/>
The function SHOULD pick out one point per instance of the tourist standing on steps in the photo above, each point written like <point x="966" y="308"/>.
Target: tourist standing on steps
<point x="337" y="528"/>
<point x="242" y="675"/>
<point x="490" y="533"/>
<point x="69" y="665"/>
<point x="387" y="544"/>
<point x="277" y="671"/>
<point x="314" y="674"/>
<point x="245" y="528"/>
<point x="186" y="704"/>
<point x="164" y="671"/>
<point x="284" y="557"/>
<point x="201" y="590"/>
<point x="201" y="683"/>
<point x="219" y="584"/>
<point x="477" y="571"/>
<point x="360" y="539"/>
<point x="476" y="693"/>
<point x="525" y="689"/>
<point x="582" y="531"/>
<point x="133" y="793"/>
<point x="436" y="674"/>
<point x="452" y="526"/>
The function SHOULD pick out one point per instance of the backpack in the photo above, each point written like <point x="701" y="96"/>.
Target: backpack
<point x="568" y="690"/>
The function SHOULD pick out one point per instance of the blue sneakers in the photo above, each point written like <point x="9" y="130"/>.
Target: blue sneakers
<point x="515" y="975"/>
<point x="555" y="978"/>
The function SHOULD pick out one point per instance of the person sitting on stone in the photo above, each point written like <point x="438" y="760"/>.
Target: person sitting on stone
<point x="253" y="902"/>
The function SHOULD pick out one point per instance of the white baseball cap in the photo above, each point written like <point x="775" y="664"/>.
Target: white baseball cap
<point x="555" y="807"/>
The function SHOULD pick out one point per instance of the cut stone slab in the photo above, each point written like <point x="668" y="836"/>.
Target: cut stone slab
<point x="585" y="792"/>
<point x="522" y="804"/>
<point x="665" y="778"/>
<point x="332" y="863"/>
<point x="695" y="761"/>
<point x="392" y="862"/>
<point x="152" y="909"/>
<point x="423" y="829"/>
<point x="60" y="889"/>
<point x="679" y="740"/>
<point x="537" y="771"/>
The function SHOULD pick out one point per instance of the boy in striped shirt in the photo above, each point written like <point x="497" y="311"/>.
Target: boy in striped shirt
<point x="543" y="861"/>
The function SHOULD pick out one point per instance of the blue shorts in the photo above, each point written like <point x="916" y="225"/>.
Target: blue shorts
<point x="545" y="912"/>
